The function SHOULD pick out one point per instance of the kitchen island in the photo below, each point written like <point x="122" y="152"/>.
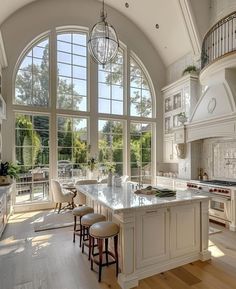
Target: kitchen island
<point x="156" y="234"/>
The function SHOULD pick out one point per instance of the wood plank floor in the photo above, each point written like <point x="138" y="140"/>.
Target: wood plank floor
<point x="50" y="260"/>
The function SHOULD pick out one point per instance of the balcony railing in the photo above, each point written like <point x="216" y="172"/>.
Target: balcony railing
<point x="219" y="40"/>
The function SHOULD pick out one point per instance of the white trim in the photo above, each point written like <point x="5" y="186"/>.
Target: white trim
<point x="191" y="26"/>
<point x="3" y="57"/>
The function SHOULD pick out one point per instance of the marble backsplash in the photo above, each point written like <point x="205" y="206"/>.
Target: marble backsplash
<point x="218" y="158"/>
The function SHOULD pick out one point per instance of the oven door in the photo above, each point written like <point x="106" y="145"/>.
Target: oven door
<point x="220" y="208"/>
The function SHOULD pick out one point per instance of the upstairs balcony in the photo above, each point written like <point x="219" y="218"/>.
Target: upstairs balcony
<point x="220" y="41"/>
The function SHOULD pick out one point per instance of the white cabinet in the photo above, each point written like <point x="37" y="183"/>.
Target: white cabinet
<point x="165" y="233"/>
<point x="169" y="150"/>
<point x="5" y="206"/>
<point x="184" y="230"/>
<point x="178" y="97"/>
<point x="152" y="237"/>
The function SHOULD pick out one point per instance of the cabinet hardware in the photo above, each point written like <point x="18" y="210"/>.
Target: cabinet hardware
<point x="150" y="212"/>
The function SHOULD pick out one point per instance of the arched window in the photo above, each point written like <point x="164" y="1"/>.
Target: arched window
<point x="32" y="78"/>
<point x="79" y="128"/>
<point x="140" y="91"/>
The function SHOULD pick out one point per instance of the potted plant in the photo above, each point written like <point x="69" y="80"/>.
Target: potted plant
<point x="190" y="69"/>
<point x="8" y="171"/>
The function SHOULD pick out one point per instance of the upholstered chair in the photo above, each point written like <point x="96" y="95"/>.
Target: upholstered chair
<point x="60" y="195"/>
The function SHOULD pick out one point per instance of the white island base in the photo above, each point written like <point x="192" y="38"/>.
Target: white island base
<point x="156" y="234"/>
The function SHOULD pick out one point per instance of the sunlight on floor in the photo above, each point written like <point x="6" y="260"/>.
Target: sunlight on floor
<point x="22" y="217"/>
<point x="215" y="251"/>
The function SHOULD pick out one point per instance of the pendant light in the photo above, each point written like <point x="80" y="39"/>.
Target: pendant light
<point x="103" y="42"/>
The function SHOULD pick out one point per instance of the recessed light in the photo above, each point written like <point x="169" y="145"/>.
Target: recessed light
<point x="157" y="26"/>
<point x="127" y="5"/>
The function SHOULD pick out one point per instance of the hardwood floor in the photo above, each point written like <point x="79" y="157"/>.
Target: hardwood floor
<point x="50" y="260"/>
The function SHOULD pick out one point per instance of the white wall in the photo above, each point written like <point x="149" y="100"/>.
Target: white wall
<point x="40" y="16"/>
<point x="220" y="9"/>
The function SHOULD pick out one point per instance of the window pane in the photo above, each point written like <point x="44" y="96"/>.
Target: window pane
<point x="32" y="154"/>
<point x="140" y="92"/>
<point x="72" y="146"/>
<point x="72" y="71"/>
<point x="110" y="86"/>
<point x="110" y="146"/>
<point x="32" y="77"/>
<point x="141" y="151"/>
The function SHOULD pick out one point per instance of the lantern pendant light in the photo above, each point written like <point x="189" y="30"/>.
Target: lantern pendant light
<point x="103" y="42"/>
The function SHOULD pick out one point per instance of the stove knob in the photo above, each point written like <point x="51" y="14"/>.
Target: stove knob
<point x="211" y="190"/>
<point x="200" y="188"/>
<point x="215" y="190"/>
<point x="220" y="191"/>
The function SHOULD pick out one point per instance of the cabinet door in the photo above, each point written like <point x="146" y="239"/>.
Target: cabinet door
<point x="184" y="229"/>
<point x="152" y="237"/>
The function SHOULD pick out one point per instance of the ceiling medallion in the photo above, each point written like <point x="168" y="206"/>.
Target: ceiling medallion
<point x="103" y="42"/>
<point x="211" y="105"/>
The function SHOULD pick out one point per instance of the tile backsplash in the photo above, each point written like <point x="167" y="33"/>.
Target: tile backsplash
<point x="219" y="158"/>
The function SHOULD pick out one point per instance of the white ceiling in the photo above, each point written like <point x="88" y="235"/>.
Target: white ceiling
<point x="171" y="39"/>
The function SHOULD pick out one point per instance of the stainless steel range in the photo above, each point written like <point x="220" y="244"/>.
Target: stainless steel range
<point x="222" y="206"/>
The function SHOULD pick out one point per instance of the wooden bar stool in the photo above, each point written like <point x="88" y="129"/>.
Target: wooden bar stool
<point x="101" y="231"/>
<point x="86" y="222"/>
<point x="80" y="212"/>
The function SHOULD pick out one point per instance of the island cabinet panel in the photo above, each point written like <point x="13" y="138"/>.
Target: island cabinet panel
<point x="152" y="237"/>
<point x="184" y="230"/>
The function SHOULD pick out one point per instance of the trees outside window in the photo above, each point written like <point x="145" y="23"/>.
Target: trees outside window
<point x="32" y="157"/>
<point x="110" y="145"/>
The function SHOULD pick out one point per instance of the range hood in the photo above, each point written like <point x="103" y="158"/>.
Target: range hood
<point x="215" y="112"/>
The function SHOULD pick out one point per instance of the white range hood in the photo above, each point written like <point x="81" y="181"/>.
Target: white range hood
<point x="215" y="112"/>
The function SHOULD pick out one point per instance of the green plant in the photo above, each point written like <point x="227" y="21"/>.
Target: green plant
<point x="189" y="69"/>
<point x="110" y="167"/>
<point x="9" y="169"/>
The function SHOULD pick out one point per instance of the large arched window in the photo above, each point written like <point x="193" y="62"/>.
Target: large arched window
<point x="109" y="120"/>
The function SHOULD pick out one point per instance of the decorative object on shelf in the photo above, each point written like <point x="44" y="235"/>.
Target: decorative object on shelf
<point x="205" y="177"/>
<point x="8" y="171"/>
<point x="190" y="69"/>
<point x="180" y="150"/>
<point x="103" y="42"/>
<point x="182" y="118"/>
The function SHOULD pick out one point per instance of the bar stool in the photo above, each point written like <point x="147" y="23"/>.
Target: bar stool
<point x="86" y="222"/>
<point x="80" y="212"/>
<point x="101" y="231"/>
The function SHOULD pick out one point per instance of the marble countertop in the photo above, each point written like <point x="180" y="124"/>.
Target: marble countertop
<point x="123" y="198"/>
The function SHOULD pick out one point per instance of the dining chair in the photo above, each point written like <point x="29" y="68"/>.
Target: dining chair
<point x="60" y="195"/>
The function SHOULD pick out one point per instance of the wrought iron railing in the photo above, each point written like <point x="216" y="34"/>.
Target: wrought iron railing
<point x="219" y="40"/>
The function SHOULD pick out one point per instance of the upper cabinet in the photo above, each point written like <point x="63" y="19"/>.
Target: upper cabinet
<point x="179" y="97"/>
<point x="179" y="100"/>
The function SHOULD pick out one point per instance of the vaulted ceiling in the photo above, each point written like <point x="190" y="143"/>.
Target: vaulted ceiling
<point x="171" y="40"/>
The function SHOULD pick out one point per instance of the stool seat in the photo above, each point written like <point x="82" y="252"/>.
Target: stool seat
<point x="103" y="230"/>
<point x="90" y="219"/>
<point x="81" y="211"/>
